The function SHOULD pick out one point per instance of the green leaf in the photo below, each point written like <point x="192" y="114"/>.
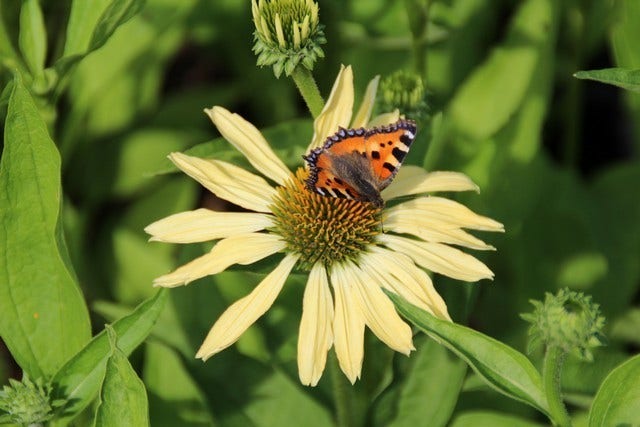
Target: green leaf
<point x="44" y="319"/>
<point x="617" y="402"/>
<point x="123" y="398"/>
<point x="116" y="14"/>
<point x="8" y="56"/>
<point x="625" y="34"/>
<point x="503" y="368"/>
<point x="33" y="36"/>
<point x="79" y="380"/>
<point x="491" y="95"/>
<point x="626" y="79"/>
<point x="174" y="397"/>
<point x="491" y="419"/>
<point x="91" y="23"/>
<point x="433" y="399"/>
<point x="82" y="22"/>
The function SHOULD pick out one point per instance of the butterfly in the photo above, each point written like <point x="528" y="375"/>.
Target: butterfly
<point x="357" y="164"/>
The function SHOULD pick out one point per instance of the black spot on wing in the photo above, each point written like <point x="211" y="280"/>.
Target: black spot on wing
<point x="375" y="155"/>
<point x="389" y="167"/>
<point x="398" y="154"/>
<point x="406" y="140"/>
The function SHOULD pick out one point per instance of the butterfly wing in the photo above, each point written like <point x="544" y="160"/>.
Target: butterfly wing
<point x="358" y="164"/>
<point x="387" y="147"/>
<point x="322" y="176"/>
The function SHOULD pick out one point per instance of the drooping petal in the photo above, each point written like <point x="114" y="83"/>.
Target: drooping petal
<point x="446" y="212"/>
<point x="378" y="311"/>
<point x="228" y="181"/>
<point x="414" y="180"/>
<point x="316" y="327"/>
<point x="250" y="142"/>
<point x="244" y="312"/>
<point x="384" y="119"/>
<point x="202" y="225"/>
<point x="348" y="326"/>
<point x="364" y="112"/>
<point x="431" y="230"/>
<point x="439" y="258"/>
<point x="337" y="111"/>
<point x="397" y="273"/>
<point x="241" y="249"/>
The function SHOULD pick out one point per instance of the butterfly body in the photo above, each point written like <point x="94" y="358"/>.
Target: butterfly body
<point x="358" y="164"/>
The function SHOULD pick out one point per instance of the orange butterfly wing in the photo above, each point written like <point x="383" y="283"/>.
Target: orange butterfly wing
<point x="367" y="159"/>
<point x="387" y="148"/>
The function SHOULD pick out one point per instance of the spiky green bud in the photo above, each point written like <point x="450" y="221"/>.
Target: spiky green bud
<point x="288" y="34"/>
<point x="26" y="402"/>
<point x="406" y="92"/>
<point x="569" y="321"/>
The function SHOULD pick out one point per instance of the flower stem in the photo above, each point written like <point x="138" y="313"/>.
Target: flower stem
<point x="308" y="89"/>
<point x="552" y="368"/>
<point x="418" y="14"/>
<point x="342" y="397"/>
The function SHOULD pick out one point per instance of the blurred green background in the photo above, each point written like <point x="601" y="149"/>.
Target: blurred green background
<point x="556" y="159"/>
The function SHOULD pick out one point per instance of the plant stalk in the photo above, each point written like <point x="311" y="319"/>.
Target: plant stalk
<point x="342" y="396"/>
<point x="308" y="89"/>
<point x="551" y="372"/>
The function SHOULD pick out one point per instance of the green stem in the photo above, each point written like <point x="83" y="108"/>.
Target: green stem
<point x="551" y="370"/>
<point x="308" y="89"/>
<point x="342" y="397"/>
<point x="418" y="15"/>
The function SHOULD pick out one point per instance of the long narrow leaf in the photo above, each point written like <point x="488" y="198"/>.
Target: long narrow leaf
<point x="503" y="368"/>
<point x="43" y="317"/>
<point x="116" y="14"/>
<point x="626" y="79"/>
<point x="33" y="36"/>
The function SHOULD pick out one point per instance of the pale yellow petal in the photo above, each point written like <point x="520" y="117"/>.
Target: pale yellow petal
<point x="439" y="220"/>
<point x="431" y="230"/>
<point x="202" y="225"/>
<point x="316" y="327"/>
<point x="439" y="258"/>
<point x="250" y="142"/>
<point x="446" y="212"/>
<point x="348" y="326"/>
<point x="385" y="119"/>
<point x="378" y="311"/>
<point x="414" y="180"/>
<point x="241" y="249"/>
<point x="244" y="312"/>
<point x="337" y="110"/>
<point x="228" y="181"/>
<point x="397" y="273"/>
<point x="364" y="112"/>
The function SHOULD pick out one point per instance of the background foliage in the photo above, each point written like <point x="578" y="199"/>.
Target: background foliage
<point x="97" y="93"/>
